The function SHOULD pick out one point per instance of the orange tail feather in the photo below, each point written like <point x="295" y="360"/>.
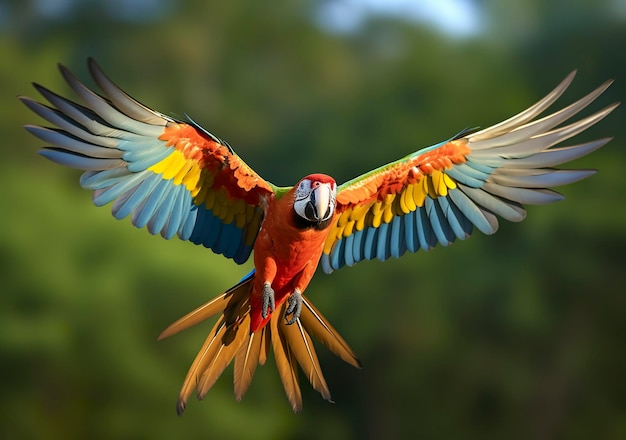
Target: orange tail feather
<point x="231" y="339"/>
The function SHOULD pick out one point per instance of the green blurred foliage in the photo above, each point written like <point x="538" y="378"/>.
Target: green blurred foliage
<point x="518" y="335"/>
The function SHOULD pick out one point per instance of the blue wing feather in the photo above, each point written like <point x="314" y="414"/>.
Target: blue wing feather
<point x="348" y="254"/>
<point x="336" y="256"/>
<point x="369" y="250"/>
<point x="189" y="224"/>
<point x="459" y="224"/>
<point x="119" y="192"/>
<point x="501" y="168"/>
<point x="357" y="250"/>
<point x="139" y="194"/>
<point x="393" y="237"/>
<point x="152" y="204"/>
<point x="382" y="242"/>
<point x="116" y="141"/>
<point x="164" y="210"/>
<point x="436" y="222"/>
<point x="425" y="230"/>
<point x="410" y="236"/>
<point x="179" y="213"/>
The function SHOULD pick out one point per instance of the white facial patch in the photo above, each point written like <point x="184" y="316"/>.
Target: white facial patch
<point x="304" y="190"/>
<point x="315" y="201"/>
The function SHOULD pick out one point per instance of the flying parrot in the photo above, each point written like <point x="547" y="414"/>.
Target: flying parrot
<point x="177" y="179"/>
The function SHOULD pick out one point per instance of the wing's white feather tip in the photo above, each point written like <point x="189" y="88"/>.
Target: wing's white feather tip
<point x="28" y="102"/>
<point x="583" y="174"/>
<point x="605" y="111"/>
<point x="67" y="74"/>
<point x="32" y="128"/>
<point x="567" y="81"/>
<point x="517" y="121"/>
<point x="613" y="106"/>
<point x="93" y="65"/>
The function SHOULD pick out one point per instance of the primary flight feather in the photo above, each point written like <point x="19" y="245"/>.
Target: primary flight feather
<point x="177" y="179"/>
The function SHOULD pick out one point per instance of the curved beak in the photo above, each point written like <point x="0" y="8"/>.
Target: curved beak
<point x="320" y="199"/>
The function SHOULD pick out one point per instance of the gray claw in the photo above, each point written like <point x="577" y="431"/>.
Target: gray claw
<point x="294" y="307"/>
<point x="268" y="300"/>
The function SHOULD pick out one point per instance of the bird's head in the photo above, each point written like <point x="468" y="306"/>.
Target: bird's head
<point x="314" y="203"/>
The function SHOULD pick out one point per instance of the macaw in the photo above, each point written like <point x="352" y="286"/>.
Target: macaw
<point x="177" y="179"/>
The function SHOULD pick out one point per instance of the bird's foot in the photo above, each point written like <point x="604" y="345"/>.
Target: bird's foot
<point x="294" y="307"/>
<point x="268" y="300"/>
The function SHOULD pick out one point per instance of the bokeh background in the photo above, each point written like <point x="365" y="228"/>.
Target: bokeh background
<point x="517" y="335"/>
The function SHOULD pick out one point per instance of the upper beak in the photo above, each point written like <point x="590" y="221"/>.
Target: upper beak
<point x="320" y="197"/>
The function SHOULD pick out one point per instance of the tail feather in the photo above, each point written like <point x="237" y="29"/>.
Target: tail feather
<point x="286" y="364"/>
<point x="320" y="328"/>
<point x="302" y="348"/>
<point x="266" y="343"/>
<point x="228" y="299"/>
<point x="246" y="361"/>
<point x="231" y="340"/>
<point x="199" y="364"/>
<point x="231" y="344"/>
<point x="234" y="306"/>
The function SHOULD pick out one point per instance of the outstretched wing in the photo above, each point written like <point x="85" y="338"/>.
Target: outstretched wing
<point x="440" y="193"/>
<point x="173" y="177"/>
